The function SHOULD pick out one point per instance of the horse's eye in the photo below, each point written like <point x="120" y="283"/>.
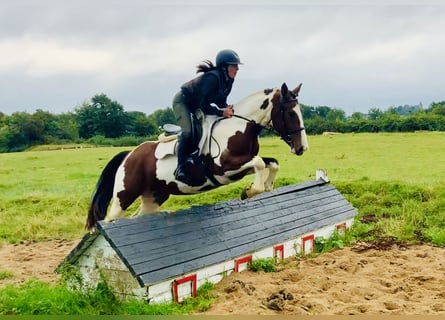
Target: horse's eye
<point x="292" y="114"/>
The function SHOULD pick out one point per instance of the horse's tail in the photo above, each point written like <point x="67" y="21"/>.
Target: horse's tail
<point x="104" y="191"/>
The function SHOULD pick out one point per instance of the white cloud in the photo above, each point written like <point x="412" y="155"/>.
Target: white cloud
<point x="45" y="57"/>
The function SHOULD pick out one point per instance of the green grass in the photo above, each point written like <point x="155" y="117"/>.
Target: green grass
<point x="410" y="213"/>
<point x="6" y="274"/>
<point x="408" y="158"/>
<point x="39" y="298"/>
<point x="263" y="264"/>
<point x="45" y="194"/>
<point x="394" y="180"/>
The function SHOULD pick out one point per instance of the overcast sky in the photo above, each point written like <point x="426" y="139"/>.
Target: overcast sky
<point x="55" y="55"/>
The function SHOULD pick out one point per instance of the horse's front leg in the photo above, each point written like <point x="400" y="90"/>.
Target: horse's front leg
<point x="272" y="168"/>
<point x="257" y="186"/>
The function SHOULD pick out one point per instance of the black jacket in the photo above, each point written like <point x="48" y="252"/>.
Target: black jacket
<point x="208" y="92"/>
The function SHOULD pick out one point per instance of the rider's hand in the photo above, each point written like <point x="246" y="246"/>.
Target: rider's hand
<point x="228" y="112"/>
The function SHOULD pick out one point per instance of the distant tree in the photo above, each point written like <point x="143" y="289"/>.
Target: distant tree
<point x="51" y="129"/>
<point x="390" y="121"/>
<point x="21" y="130"/>
<point x="407" y="109"/>
<point x="409" y="124"/>
<point x="66" y="127"/>
<point x="112" y="116"/>
<point x="438" y="108"/>
<point x="322" y="111"/>
<point x="102" y="117"/>
<point x="163" y="116"/>
<point x="357" y="116"/>
<point x="308" y="111"/>
<point x="317" y="125"/>
<point x="31" y="126"/>
<point x="356" y="125"/>
<point x="140" y="125"/>
<point x="336" y="115"/>
<point x="87" y="120"/>
<point x="375" y="114"/>
<point x="391" y="110"/>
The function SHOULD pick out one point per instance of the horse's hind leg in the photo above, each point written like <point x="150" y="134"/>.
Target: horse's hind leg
<point x="272" y="167"/>
<point x="122" y="199"/>
<point x="116" y="210"/>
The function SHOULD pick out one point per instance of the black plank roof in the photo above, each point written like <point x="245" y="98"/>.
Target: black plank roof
<point x="164" y="245"/>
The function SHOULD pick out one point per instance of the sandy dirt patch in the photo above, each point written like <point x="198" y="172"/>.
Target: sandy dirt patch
<point x="33" y="260"/>
<point x="359" y="280"/>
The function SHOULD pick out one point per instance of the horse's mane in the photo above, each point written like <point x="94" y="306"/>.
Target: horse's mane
<point x="205" y="66"/>
<point x="254" y="103"/>
<point x="261" y="94"/>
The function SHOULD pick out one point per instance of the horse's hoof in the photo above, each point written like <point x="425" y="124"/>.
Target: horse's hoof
<point x="251" y="192"/>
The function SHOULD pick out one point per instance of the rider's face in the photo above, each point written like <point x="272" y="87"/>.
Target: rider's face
<point x="232" y="69"/>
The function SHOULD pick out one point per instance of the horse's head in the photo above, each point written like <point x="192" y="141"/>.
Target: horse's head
<point x="287" y="119"/>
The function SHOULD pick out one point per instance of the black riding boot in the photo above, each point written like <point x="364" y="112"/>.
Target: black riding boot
<point x="185" y="144"/>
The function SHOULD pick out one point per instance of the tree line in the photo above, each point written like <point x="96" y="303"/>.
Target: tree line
<point x="394" y="119"/>
<point x="103" y="121"/>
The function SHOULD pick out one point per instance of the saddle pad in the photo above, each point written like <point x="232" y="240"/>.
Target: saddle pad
<point x="164" y="149"/>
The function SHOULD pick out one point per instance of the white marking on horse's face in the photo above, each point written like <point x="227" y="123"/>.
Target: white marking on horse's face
<point x="304" y="141"/>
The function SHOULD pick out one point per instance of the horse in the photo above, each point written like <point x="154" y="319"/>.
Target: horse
<point x="228" y="151"/>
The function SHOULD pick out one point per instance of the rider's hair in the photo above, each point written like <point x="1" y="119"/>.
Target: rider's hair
<point x="205" y="66"/>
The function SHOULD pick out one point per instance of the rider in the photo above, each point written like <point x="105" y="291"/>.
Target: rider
<point x="207" y="92"/>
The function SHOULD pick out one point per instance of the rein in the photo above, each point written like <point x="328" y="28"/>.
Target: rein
<point x="213" y="126"/>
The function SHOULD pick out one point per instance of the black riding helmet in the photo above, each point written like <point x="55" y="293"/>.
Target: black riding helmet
<point x="227" y="56"/>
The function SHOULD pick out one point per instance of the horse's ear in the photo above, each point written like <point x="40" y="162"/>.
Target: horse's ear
<point x="297" y="89"/>
<point x="284" y="89"/>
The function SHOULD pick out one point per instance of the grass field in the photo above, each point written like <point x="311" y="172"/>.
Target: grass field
<point x="45" y="194"/>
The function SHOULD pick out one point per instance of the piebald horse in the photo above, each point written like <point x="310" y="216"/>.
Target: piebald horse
<point x="229" y="152"/>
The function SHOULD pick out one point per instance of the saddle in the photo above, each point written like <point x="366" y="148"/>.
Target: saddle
<point x="170" y="133"/>
<point x="168" y="139"/>
<point x="168" y="144"/>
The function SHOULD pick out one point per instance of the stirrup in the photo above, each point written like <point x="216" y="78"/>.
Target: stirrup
<point x="192" y="158"/>
<point x="180" y="174"/>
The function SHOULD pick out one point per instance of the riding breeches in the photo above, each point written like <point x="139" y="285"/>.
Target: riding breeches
<point x="182" y="113"/>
